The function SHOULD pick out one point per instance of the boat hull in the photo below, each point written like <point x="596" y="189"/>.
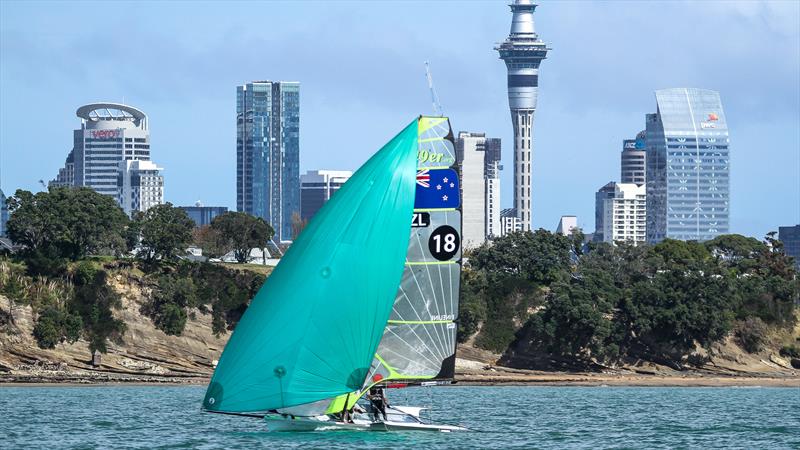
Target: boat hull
<point x="361" y="422"/>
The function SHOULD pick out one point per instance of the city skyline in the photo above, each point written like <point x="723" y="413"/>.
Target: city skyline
<point x="581" y="120"/>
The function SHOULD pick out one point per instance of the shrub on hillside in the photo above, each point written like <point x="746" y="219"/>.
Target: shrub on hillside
<point x="93" y="302"/>
<point x="751" y="334"/>
<point x="171" y="319"/>
<point x="790" y="351"/>
<point x="54" y="326"/>
<point x="223" y="292"/>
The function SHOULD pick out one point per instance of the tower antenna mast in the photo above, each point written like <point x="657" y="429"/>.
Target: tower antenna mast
<point x="437" y="107"/>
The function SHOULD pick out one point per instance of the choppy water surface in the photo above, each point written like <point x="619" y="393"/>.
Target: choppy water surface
<point x="502" y="417"/>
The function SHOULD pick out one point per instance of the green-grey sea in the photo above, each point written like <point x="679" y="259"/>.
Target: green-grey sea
<point x="115" y="417"/>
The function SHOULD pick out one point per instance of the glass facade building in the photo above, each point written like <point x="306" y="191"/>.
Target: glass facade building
<point x="790" y="236"/>
<point x="268" y="152"/>
<point x="688" y="169"/>
<point x="3" y="214"/>
<point x="317" y="187"/>
<point x="632" y="159"/>
<point x="203" y="215"/>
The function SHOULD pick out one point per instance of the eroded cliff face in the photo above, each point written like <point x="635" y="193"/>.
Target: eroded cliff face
<point x="723" y="358"/>
<point x="144" y="353"/>
<point x="147" y="354"/>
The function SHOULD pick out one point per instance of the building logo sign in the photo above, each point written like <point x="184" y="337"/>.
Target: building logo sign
<point x="105" y="134"/>
<point x="629" y="145"/>
<point x="710" y="119"/>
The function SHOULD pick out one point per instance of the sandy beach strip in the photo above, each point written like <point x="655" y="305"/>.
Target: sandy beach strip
<point x="471" y="379"/>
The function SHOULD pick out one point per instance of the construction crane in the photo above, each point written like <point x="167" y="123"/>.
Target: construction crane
<point x="437" y="107"/>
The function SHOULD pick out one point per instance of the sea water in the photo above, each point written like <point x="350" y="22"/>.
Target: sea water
<point x="499" y="417"/>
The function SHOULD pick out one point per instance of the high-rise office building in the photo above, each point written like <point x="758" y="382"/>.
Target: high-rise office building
<point x="203" y="215"/>
<point x="3" y="213"/>
<point x="509" y="222"/>
<point x="605" y="192"/>
<point x="317" y="187"/>
<point x="620" y="213"/>
<point x="790" y="236"/>
<point x="268" y="152"/>
<point x="140" y="186"/>
<point x="633" y="160"/>
<point x="688" y="170"/>
<point x="110" y="136"/>
<point x="66" y="174"/>
<point x="567" y="225"/>
<point x="522" y="52"/>
<point x="478" y="159"/>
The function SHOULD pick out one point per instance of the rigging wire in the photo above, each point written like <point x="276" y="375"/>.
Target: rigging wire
<point x="437" y="106"/>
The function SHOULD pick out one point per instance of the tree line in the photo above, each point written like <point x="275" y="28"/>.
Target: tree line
<point x="69" y="238"/>
<point x="71" y="223"/>
<point x="537" y="297"/>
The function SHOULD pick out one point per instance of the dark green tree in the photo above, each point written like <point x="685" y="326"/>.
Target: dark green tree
<point x="165" y="232"/>
<point x="66" y="223"/>
<point x="539" y="257"/>
<point x="55" y="325"/>
<point x="241" y="232"/>
<point x="171" y="319"/>
<point x="47" y="329"/>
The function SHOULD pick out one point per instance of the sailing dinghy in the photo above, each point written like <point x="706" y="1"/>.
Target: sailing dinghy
<point x="366" y="297"/>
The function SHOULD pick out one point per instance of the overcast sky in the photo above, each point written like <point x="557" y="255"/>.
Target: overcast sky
<point x="361" y="69"/>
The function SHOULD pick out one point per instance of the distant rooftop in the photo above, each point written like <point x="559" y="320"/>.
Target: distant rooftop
<point x="95" y="113"/>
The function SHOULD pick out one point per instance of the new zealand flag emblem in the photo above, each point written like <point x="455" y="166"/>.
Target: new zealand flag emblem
<point x="437" y="188"/>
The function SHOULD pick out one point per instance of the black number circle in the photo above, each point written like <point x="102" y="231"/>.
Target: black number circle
<point x="444" y="243"/>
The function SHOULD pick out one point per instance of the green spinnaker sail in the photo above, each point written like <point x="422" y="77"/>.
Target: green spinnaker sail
<point x="312" y="330"/>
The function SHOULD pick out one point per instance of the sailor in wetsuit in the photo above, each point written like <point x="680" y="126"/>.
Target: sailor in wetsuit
<point x="377" y="399"/>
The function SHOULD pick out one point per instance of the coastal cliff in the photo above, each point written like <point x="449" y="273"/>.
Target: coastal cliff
<point x="145" y="353"/>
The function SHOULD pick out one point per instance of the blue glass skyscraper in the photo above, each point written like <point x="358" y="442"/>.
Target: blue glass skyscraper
<point x="688" y="166"/>
<point x="268" y="152"/>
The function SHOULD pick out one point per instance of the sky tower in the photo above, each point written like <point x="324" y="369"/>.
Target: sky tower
<point x="522" y="52"/>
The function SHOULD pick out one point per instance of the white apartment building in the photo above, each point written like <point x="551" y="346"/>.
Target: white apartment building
<point x="140" y="185"/>
<point x="621" y="213"/>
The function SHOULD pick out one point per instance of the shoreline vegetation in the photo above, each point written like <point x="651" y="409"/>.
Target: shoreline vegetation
<point x="92" y="297"/>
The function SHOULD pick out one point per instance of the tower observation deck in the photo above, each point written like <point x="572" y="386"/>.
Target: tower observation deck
<point x="522" y="52"/>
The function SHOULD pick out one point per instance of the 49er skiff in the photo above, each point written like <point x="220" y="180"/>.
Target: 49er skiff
<point x="366" y="297"/>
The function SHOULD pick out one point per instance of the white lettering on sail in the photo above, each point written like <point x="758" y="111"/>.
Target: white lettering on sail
<point x="444" y="317"/>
